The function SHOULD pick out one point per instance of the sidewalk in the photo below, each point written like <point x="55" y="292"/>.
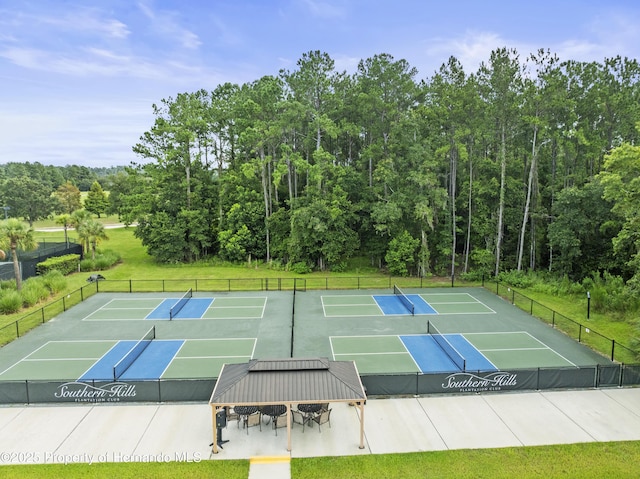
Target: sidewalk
<point x="183" y="432"/>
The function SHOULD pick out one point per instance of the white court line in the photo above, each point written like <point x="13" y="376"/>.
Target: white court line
<point x="44" y="360"/>
<point x="516" y="349"/>
<point x="545" y="347"/>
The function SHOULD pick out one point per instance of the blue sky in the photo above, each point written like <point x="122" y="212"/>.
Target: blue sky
<point x="78" y="77"/>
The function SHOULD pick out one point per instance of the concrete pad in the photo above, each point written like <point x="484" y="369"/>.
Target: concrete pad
<point x="180" y="432"/>
<point x="245" y="443"/>
<point x="598" y="414"/>
<point x="629" y="398"/>
<point x="8" y="414"/>
<point x="109" y="433"/>
<point x="270" y="467"/>
<point x="467" y="422"/>
<point x="37" y="432"/>
<point x="399" y="425"/>
<point x="534" y="420"/>
<point x="341" y="439"/>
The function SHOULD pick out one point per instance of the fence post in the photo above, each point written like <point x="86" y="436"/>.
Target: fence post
<point x="613" y="348"/>
<point x="579" y="333"/>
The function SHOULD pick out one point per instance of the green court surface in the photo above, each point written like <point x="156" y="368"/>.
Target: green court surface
<point x="141" y="308"/>
<point x="353" y="304"/>
<point x="235" y="327"/>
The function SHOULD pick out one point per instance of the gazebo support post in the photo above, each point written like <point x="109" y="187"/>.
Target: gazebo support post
<point x="289" y="427"/>
<point x="361" y="405"/>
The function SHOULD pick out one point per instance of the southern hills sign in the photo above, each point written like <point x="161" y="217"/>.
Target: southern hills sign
<point x="84" y="392"/>
<point x="465" y="382"/>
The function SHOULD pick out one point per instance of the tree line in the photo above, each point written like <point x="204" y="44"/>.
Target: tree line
<point x="526" y="164"/>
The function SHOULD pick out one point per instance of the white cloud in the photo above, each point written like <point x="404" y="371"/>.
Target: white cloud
<point x="83" y="20"/>
<point x="86" y="132"/>
<point x="471" y="49"/>
<point x="323" y="9"/>
<point x="167" y="24"/>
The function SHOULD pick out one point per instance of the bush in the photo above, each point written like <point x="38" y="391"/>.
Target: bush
<point x="473" y="276"/>
<point x="104" y="260"/>
<point x="300" y="268"/>
<point x="10" y="302"/>
<point x="9" y="284"/>
<point x="340" y="267"/>
<point x="66" y="264"/>
<point x="34" y="290"/>
<point x="610" y="294"/>
<point x="54" y="281"/>
<point x="518" y="279"/>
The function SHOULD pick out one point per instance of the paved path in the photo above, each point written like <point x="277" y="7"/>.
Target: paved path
<point x="183" y="432"/>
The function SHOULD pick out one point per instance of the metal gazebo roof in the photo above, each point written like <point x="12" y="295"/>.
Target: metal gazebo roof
<point x="288" y="381"/>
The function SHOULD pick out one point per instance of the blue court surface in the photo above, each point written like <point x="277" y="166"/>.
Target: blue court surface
<point x="193" y="309"/>
<point x="392" y="304"/>
<point x="431" y="358"/>
<point x="149" y="365"/>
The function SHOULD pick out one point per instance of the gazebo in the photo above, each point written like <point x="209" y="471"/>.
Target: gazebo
<point x="287" y="382"/>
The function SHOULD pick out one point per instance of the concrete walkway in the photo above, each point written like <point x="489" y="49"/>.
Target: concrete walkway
<point x="183" y="432"/>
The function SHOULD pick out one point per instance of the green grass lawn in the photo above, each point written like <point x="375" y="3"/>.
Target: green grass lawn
<point x="617" y="460"/>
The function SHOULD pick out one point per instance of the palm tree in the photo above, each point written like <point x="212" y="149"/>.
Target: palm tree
<point x="78" y="220"/>
<point x="15" y="234"/>
<point x="65" y="220"/>
<point x="94" y="231"/>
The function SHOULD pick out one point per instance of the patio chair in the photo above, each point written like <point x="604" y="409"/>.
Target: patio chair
<point x="298" y="418"/>
<point x="253" y="420"/>
<point x="323" y="417"/>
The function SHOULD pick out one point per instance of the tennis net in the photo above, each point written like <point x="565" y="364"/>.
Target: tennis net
<point x="404" y="299"/>
<point x="133" y="354"/>
<point x="175" y="309"/>
<point x="448" y="348"/>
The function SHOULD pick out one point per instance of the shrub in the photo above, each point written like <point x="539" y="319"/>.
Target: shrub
<point x="473" y="276"/>
<point x="300" y="268"/>
<point x="104" y="260"/>
<point x="10" y="302"/>
<point x="339" y="267"/>
<point x="54" y="281"/>
<point x="9" y="284"/>
<point x="518" y="279"/>
<point x="610" y="294"/>
<point x="66" y="264"/>
<point x="33" y="291"/>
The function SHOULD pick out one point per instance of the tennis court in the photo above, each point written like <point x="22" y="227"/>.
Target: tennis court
<point x="180" y="308"/>
<point x="148" y="358"/>
<point x="399" y="303"/>
<point x="436" y="352"/>
<point x="173" y="338"/>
